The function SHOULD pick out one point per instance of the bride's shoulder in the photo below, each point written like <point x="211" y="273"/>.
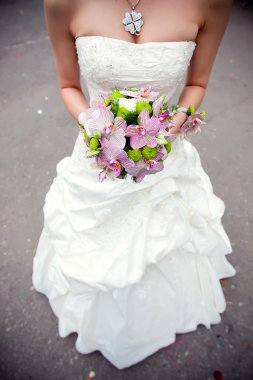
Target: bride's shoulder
<point x="216" y="10"/>
<point x="218" y="4"/>
<point x="59" y="8"/>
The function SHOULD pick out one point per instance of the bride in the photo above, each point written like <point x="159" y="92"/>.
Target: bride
<point x="129" y="265"/>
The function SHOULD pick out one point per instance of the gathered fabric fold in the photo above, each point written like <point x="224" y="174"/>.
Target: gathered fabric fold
<point x="113" y="252"/>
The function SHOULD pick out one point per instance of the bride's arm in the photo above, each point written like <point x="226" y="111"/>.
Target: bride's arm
<point x="57" y="16"/>
<point x="208" y="41"/>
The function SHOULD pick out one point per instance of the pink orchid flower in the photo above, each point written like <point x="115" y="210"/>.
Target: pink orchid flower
<point x="145" y="132"/>
<point x="158" y="103"/>
<point x="192" y="125"/>
<point x="112" y="128"/>
<point x="145" y="94"/>
<point x="166" y="127"/>
<point x="106" y="172"/>
<point x="114" y="157"/>
<point x="97" y="163"/>
<point x="145" y="167"/>
<point x="99" y="99"/>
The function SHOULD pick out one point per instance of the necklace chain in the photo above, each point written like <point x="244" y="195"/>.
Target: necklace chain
<point x="133" y="6"/>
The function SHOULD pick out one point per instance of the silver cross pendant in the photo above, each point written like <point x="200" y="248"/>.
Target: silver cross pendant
<point x="133" y="22"/>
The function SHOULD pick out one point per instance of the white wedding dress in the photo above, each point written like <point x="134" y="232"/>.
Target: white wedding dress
<point x="128" y="265"/>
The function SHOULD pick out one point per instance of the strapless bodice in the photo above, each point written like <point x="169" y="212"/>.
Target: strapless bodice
<point x="107" y="62"/>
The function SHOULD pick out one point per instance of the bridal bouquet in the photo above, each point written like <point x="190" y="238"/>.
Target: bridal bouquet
<point x="129" y="132"/>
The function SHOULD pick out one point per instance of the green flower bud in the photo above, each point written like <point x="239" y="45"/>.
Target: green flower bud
<point x="122" y="112"/>
<point x="191" y="109"/>
<point x="203" y="113"/>
<point x="97" y="134"/>
<point x="142" y="105"/>
<point x="85" y="134"/>
<point x="148" y="152"/>
<point x="134" y="154"/>
<point x="94" y="143"/>
<point x="168" y="146"/>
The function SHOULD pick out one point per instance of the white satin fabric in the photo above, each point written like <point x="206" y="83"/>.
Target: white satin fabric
<point x="125" y="265"/>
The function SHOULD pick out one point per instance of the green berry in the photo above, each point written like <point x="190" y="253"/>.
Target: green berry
<point x="122" y="112"/>
<point x="142" y="105"/>
<point x="191" y="109"/>
<point x="148" y="152"/>
<point x="134" y="154"/>
<point x="168" y="146"/>
<point x="97" y="134"/>
<point x="94" y="143"/>
<point x="203" y="113"/>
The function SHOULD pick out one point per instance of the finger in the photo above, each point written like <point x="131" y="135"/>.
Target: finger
<point x="175" y="129"/>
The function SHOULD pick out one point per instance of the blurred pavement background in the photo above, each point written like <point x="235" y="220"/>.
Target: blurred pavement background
<point x="36" y="132"/>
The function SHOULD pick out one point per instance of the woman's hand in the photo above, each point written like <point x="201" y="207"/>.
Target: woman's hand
<point x="178" y="120"/>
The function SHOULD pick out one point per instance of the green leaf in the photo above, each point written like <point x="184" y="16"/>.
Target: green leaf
<point x="132" y="118"/>
<point x="117" y="94"/>
<point x="114" y="106"/>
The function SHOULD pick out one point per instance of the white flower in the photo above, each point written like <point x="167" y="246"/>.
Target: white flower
<point x="129" y="104"/>
<point x="82" y="118"/>
<point x="87" y="117"/>
<point x="160" y="138"/>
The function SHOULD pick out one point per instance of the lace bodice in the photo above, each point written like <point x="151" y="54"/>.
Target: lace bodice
<point x="107" y="62"/>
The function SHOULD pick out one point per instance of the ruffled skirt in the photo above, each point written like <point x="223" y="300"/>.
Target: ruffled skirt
<point x="128" y="265"/>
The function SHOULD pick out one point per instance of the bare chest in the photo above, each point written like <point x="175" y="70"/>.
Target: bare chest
<point x="163" y="20"/>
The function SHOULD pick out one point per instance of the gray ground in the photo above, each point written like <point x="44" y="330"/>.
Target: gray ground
<point x="32" y="144"/>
